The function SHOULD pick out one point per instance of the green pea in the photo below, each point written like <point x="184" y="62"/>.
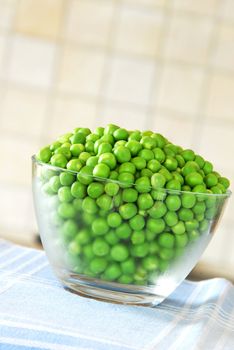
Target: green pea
<point x="145" y="201"/>
<point x="158" y="210"/>
<point x="224" y="181"/>
<point x="158" y="181"/>
<point x="88" y="252"/>
<point x="188" y="200"/>
<point x="139" y="162"/>
<point x="65" y="151"/>
<point x="120" y="134"/>
<point x="59" y="160"/>
<point x="137" y="222"/>
<point x="166" y="253"/>
<point x="78" y="138"/>
<point x="155" y="225"/>
<point x="123" y="231"/>
<point x="180" y="160"/>
<point x="44" y="155"/>
<point x="166" y="240"/>
<point x="207" y="167"/>
<point x="122" y="154"/>
<point x="92" y="137"/>
<point x="134" y="147"/>
<point x="128" y="210"/>
<point x="104" y="148"/>
<point x="173" y="185"/>
<point x="114" y="220"/>
<point x="100" y="247"/>
<point x="111" y="189"/>
<point x="204" y="225"/>
<point x="171" y="218"/>
<point x="181" y="240"/>
<point x="128" y="266"/>
<point x="173" y="202"/>
<point x="66" y="178"/>
<point x="77" y="203"/>
<point x="185" y="214"/>
<point x="127" y="167"/>
<point x="179" y="228"/>
<point x="66" y="211"/>
<point x="112" y="272"/>
<point x="98" y="265"/>
<point x="159" y="155"/>
<point x="170" y="163"/>
<point x="191" y="225"/>
<point x="92" y="161"/>
<point x="55" y="145"/>
<point x="108" y="159"/>
<point x="113" y="175"/>
<point x="100" y="226"/>
<point x="78" y="190"/>
<point x="142" y="184"/>
<point x="151" y="263"/>
<point x="105" y="202"/>
<point x="137" y="237"/>
<point x="148" y="142"/>
<point x="74" y="165"/>
<point x="89" y="205"/>
<point x="154" y="165"/>
<point x="199" y="208"/>
<point x="129" y="195"/>
<point x="194" y="179"/>
<point x="110" y="129"/>
<point x="125" y="279"/>
<point x="190" y="167"/>
<point x="99" y="131"/>
<point x="76" y="149"/>
<point x="54" y="183"/>
<point x="146" y="172"/>
<point x="64" y="194"/>
<point x="69" y="229"/>
<point x="95" y="189"/>
<point x="188" y="155"/>
<point x="140" y="250"/>
<point x="83" y="237"/>
<point x="125" y="179"/>
<point x="101" y="170"/>
<point x="146" y="154"/>
<point x="119" y="252"/>
<point x="111" y="237"/>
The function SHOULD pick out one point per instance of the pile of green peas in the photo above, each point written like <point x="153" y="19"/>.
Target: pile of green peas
<point x="118" y="210"/>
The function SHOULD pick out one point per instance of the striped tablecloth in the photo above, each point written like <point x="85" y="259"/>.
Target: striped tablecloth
<point x="37" y="313"/>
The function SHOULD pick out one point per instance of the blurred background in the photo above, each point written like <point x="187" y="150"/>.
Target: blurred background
<point x="147" y="64"/>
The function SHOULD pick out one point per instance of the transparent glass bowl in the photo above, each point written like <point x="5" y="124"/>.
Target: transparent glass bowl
<point x="126" y="263"/>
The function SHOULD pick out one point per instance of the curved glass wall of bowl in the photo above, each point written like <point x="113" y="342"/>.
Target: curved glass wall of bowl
<point x="101" y="243"/>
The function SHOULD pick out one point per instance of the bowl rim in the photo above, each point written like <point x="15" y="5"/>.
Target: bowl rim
<point x="161" y="190"/>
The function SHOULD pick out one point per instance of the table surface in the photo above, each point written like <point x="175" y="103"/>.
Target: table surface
<point x="37" y="313"/>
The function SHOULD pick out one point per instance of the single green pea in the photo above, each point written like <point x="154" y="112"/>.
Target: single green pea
<point x="161" y="140"/>
<point x="117" y="200"/>
<point x="139" y="162"/>
<point x="154" y="165"/>
<point x="181" y="240"/>
<point x="178" y="177"/>
<point x="129" y="195"/>
<point x="150" y="235"/>
<point x="120" y="143"/>
<point x="54" y="183"/>
<point x="112" y="272"/>
<point x="127" y="167"/>
<point x="137" y="237"/>
<point x="99" y="131"/>
<point x="166" y="254"/>
<point x="145" y="201"/>
<point x="98" y="265"/>
<point x="92" y="161"/>
<point x="159" y="155"/>
<point x="134" y="147"/>
<point x="113" y="175"/>
<point x="154" y="247"/>
<point x="108" y="159"/>
<point x="146" y="154"/>
<point x="173" y="202"/>
<point x="89" y="205"/>
<point x="78" y="190"/>
<point x="166" y="240"/>
<point x="123" y="231"/>
<point x="44" y="155"/>
<point x="158" y="210"/>
<point x="142" y="184"/>
<point x="76" y="149"/>
<point x="224" y="181"/>
<point x="128" y="210"/>
<point x="65" y="151"/>
<point x="188" y="155"/>
<point x="64" y="194"/>
<point x="88" y="252"/>
<point x="185" y="214"/>
<point x="148" y="142"/>
<point x="101" y="170"/>
<point x="111" y="237"/>
<point x="146" y="172"/>
<point x="150" y="263"/>
<point x="135" y="135"/>
<point x="119" y="252"/>
<point x="140" y="250"/>
<point x="180" y="160"/>
<point x="110" y="129"/>
<point x="120" y="134"/>
<point x="173" y="185"/>
<point x="209" y="214"/>
<point x="95" y="189"/>
<point x="122" y="154"/>
<point x="204" y="225"/>
<point x="200" y="161"/>
<point x="83" y="237"/>
<point x="137" y="222"/>
<point x="100" y="247"/>
<point x="191" y="225"/>
<point x="105" y="202"/>
<point x="66" y="211"/>
<point x="126" y="180"/>
<point x="92" y="137"/>
<point x="59" y="160"/>
<point x="216" y="190"/>
<point x="74" y="165"/>
<point x="199" y="208"/>
<point x="194" y="179"/>
<point x="166" y="173"/>
<point x="155" y="225"/>
<point x="188" y="200"/>
<point x="104" y="148"/>
<point x="78" y="137"/>
<point x="207" y="167"/>
<point x="55" y="145"/>
<point x="171" y="218"/>
<point x="111" y="189"/>
<point x="125" y="279"/>
<point x="66" y="179"/>
<point x="179" y="228"/>
<point x="158" y="181"/>
<point x="211" y="180"/>
<point x="84" y="156"/>
<point x="128" y="266"/>
<point x="100" y="226"/>
<point x="114" y="219"/>
<point x="190" y="167"/>
<point x="69" y="229"/>
<point x="85" y="175"/>
<point x="158" y="195"/>
<point x="77" y="203"/>
<point x="193" y="235"/>
<point x="163" y="265"/>
<point x="170" y="163"/>
<point x="65" y="137"/>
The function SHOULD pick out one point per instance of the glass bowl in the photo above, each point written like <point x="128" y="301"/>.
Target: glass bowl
<point x="132" y="254"/>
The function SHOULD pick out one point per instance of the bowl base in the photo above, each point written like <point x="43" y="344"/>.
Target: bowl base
<point x="109" y="292"/>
